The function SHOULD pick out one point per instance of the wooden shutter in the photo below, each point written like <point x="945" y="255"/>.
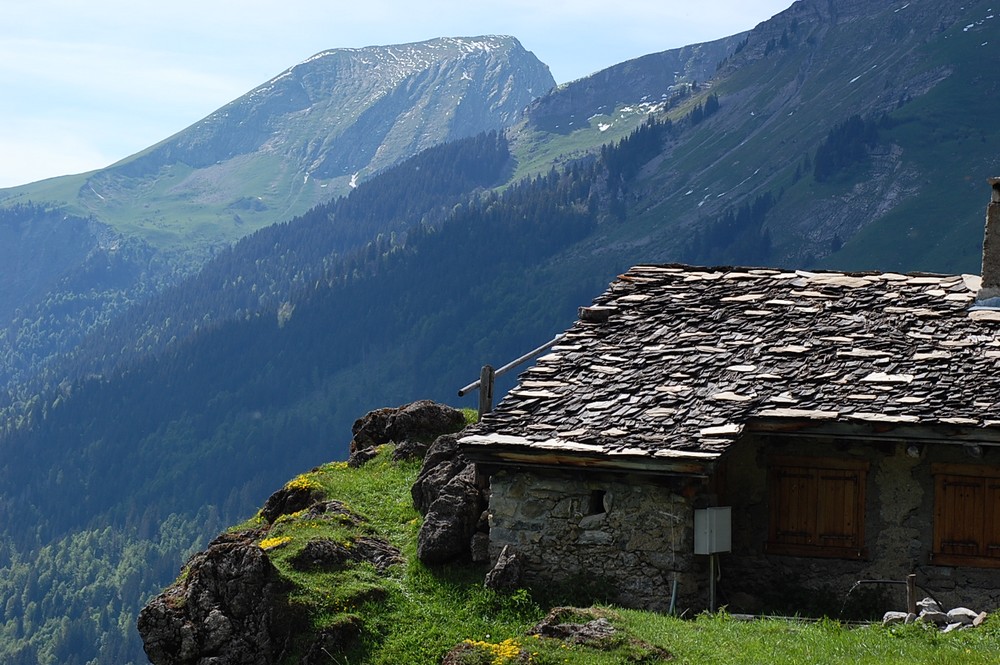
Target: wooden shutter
<point x="838" y="518"/>
<point x="966" y="515"/>
<point x="991" y="537"/>
<point x="817" y="507"/>
<point x="793" y="510"/>
<point x="961" y="506"/>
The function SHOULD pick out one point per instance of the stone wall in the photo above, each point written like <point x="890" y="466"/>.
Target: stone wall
<point x="627" y="537"/>
<point x="898" y="532"/>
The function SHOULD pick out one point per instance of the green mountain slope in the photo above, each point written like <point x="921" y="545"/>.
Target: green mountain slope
<point x="305" y="136"/>
<point x="913" y="198"/>
<point x="83" y="248"/>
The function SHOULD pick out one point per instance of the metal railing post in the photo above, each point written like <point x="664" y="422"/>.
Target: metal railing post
<point x="488" y="375"/>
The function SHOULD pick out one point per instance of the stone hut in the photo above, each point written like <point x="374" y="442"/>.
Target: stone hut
<point x="850" y="423"/>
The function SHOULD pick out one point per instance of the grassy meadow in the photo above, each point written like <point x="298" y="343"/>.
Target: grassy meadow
<point x="417" y="614"/>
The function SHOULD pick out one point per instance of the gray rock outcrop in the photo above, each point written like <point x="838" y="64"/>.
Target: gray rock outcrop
<point x="226" y="611"/>
<point x="507" y="572"/>
<point x="420" y="421"/>
<point x="230" y="607"/>
<point x="450" y="493"/>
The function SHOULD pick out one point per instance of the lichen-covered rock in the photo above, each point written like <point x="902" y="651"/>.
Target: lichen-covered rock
<point x="442" y="462"/>
<point x="330" y="555"/>
<point x="423" y="420"/>
<point x="289" y="499"/>
<point x="227" y="610"/>
<point x="506" y="573"/>
<point x="451" y="520"/>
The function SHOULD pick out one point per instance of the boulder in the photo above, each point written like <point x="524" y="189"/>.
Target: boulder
<point x="479" y="547"/>
<point x="890" y="618"/>
<point x="289" y="500"/>
<point x="579" y="625"/>
<point x="937" y="618"/>
<point x="962" y="615"/>
<point x="410" y="450"/>
<point x="423" y="420"/>
<point x="928" y="604"/>
<point x="442" y="462"/>
<point x="579" y="633"/>
<point x="332" y="639"/>
<point x="591" y="627"/>
<point x="338" y="510"/>
<point x="224" y="611"/>
<point x="506" y="573"/>
<point x="330" y="555"/>
<point x="451" y="520"/>
<point x="359" y="458"/>
<point x="371" y="430"/>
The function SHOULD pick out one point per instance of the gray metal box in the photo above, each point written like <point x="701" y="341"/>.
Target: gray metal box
<point x="713" y="530"/>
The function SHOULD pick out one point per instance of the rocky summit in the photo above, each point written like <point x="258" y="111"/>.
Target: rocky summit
<point x="310" y="133"/>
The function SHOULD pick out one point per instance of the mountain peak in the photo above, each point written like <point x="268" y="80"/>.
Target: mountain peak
<point x="310" y="133"/>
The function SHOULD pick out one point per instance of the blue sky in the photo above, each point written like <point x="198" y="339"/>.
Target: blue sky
<point x="87" y="84"/>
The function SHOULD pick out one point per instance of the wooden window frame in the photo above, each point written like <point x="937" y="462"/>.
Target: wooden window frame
<point x="806" y="538"/>
<point x="981" y="517"/>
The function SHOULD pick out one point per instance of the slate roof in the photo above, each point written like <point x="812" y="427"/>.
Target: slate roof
<point x="690" y="358"/>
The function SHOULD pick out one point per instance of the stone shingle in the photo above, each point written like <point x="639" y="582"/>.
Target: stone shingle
<point x="681" y="360"/>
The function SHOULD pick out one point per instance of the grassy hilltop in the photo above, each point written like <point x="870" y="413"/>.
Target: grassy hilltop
<point x="417" y="614"/>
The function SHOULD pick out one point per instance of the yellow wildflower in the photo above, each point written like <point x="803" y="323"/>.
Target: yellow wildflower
<point x="276" y="541"/>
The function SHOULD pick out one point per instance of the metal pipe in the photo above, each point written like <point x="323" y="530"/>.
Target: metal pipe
<point x="512" y="364"/>
<point x="673" y="596"/>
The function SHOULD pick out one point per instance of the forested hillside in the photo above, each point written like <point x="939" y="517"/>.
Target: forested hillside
<point x="63" y="275"/>
<point x="216" y="421"/>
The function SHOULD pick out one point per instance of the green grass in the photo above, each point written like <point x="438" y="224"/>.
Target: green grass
<point x="416" y="614"/>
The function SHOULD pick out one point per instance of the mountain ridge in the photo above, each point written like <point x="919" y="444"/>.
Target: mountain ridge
<point x="305" y="136"/>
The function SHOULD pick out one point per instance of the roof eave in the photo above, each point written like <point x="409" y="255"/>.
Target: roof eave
<point x="940" y="432"/>
<point x="505" y="450"/>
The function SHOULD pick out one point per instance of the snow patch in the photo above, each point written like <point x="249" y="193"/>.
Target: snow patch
<point x="354" y="181"/>
<point x="603" y="128"/>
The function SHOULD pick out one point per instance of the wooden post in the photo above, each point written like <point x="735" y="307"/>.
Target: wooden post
<point x="486" y="377"/>
<point x="911" y="593"/>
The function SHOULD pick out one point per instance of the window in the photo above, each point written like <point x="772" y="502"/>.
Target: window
<point x="596" y="504"/>
<point x="966" y="515"/>
<point x="817" y="507"/>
